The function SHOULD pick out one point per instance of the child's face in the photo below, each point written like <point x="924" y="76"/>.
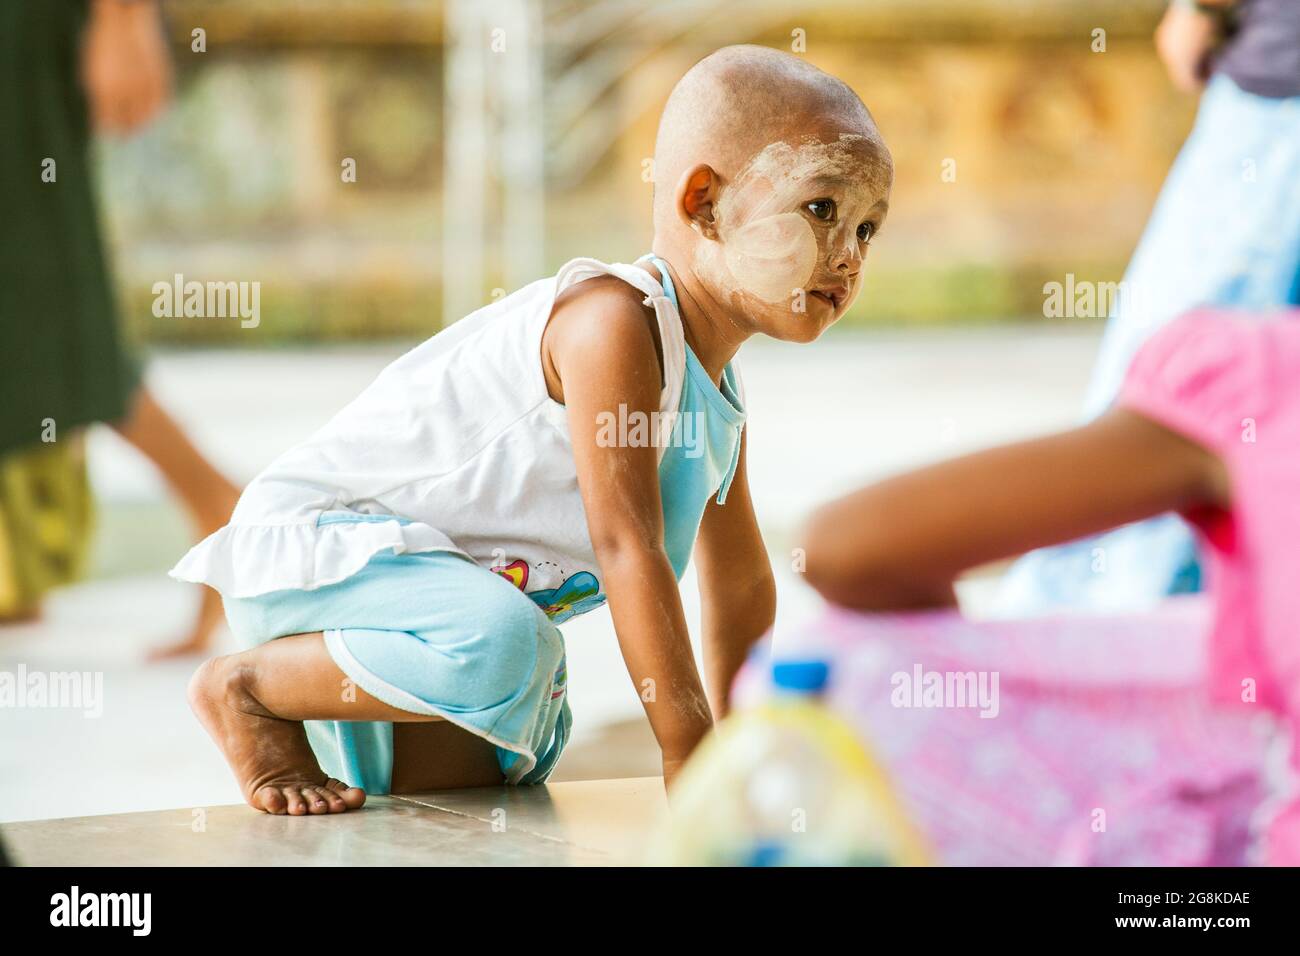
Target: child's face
<point x="792" y="230"/>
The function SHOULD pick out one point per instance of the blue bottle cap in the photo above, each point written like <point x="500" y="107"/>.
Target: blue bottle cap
<point x="802" y="676"/>
<point x="765" y="853"/>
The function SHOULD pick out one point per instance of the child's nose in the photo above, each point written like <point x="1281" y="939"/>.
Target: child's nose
<point x="846" y="258"/>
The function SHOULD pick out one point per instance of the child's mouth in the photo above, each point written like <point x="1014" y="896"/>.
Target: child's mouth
<point x="831" y="298"/>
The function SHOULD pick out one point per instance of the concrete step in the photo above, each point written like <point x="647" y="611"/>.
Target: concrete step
<point x="587" y="823"/>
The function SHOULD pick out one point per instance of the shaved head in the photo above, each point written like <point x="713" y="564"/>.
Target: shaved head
<point x="771" y="179"/>
<point x="735" y="102"/>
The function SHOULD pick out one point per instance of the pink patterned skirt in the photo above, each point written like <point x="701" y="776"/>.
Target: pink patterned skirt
<point x="1072" y="740"/>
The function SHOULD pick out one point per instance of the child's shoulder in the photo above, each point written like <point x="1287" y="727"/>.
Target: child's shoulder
<point x="604" y="311"/>
<point x="603" y="319"/>
<point x="603" y="296"/>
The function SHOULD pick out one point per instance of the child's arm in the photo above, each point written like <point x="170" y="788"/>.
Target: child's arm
<point x="736" y="585"/>
<point x="901" y="543"/>
<point x="603" y="353"/>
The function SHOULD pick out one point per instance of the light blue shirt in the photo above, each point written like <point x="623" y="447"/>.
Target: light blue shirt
<point x="702" y="458"/>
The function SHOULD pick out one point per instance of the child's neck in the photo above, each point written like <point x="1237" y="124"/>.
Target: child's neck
<point x="709" y="329"/>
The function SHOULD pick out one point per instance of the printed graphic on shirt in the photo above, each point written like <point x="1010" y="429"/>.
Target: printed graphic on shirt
<point x="516" y="572"/>
<point x="577" y="594"/>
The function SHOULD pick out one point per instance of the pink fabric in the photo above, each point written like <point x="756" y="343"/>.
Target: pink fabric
<point x="1104" y="749"/>
<point x="1232" y="384"/>
<point x="1156" y="723"/>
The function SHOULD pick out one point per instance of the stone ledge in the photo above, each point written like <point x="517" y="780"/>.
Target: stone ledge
<point x="587" y="823"/>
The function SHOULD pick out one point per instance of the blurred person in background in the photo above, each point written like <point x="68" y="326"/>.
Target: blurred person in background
<point x="67" y="67"/>
<point x="1225" y="231"/>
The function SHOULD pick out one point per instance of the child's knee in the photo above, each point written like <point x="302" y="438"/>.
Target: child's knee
<point x="517" y="616"/>
<point x="528" y="644"/>
<point x="512" y="617"/>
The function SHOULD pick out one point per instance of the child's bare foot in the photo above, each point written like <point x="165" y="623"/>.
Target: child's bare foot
<point x="271" y="758"/>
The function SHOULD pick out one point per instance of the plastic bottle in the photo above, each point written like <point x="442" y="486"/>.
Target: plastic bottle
<point x="786" y="783"/>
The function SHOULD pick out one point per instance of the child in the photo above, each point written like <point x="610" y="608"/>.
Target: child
<point x="1207" y="423"/>
<point x="400" y="575"/>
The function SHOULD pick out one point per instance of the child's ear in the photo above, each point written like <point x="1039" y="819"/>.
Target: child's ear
<point x="697" y="192"/>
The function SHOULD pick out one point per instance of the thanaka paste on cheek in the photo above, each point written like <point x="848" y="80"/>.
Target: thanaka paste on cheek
<point x="772" y="256"/>
<point x="765" y="249"/>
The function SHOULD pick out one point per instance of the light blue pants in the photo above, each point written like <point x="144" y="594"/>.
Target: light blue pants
<point x="433" y="634"/>
<point x="1225" y="231"/>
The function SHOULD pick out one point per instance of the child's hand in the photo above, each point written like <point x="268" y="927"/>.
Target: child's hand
<point x="125" y="66"/>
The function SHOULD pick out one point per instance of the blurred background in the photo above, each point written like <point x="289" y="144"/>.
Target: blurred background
<point x="537" y="150"/>
<point x="491" y="141"/>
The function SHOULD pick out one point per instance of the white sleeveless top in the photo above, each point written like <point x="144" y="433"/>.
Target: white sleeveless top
<point x="458" y="439"/>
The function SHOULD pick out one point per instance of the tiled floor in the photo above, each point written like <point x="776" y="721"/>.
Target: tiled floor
<point x="590" y="823"/>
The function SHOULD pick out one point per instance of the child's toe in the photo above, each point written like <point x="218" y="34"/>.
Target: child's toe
<point x="297" y="806"/>
<point x="332" y="800"/>
<point x="271" y="800"/>
<point x="353" y="797"/>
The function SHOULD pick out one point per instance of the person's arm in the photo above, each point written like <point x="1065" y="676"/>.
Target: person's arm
<point x="901" y="543"/>
<point x="1186" y="38"/>
<point x="126" y="68"/>
<point x="737" y="589"/>
<point x="604" y="355"/>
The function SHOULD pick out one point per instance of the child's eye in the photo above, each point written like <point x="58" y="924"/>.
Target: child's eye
<point x="866" y="231"/>
<point x="823" y="209"/>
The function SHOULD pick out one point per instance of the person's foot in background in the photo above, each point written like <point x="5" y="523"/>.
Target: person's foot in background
<point x="207" y="495"/>
<point x="199" y="638"/>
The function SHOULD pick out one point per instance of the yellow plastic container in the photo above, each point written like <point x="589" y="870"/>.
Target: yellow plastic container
<point x="786" y="783"/>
